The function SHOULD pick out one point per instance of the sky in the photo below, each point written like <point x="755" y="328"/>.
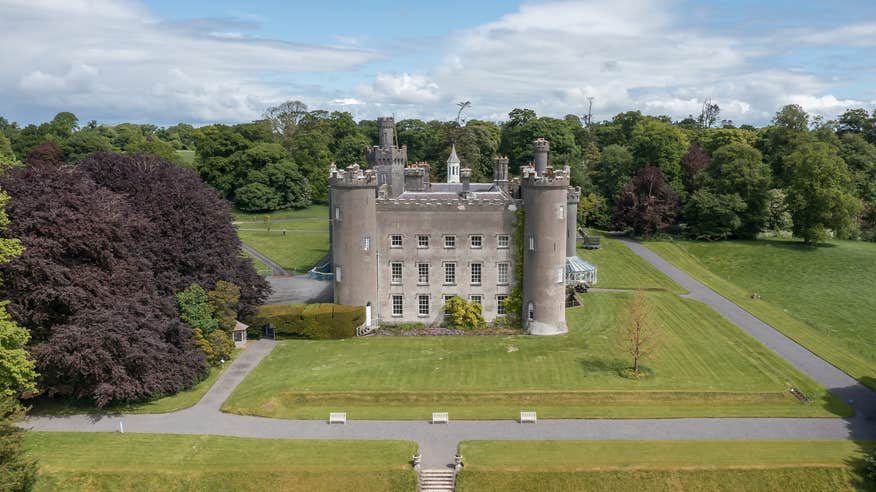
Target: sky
<point x="200" y="61"/>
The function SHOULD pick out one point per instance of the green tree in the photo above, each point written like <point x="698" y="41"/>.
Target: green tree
<point x="462" y="314"/>
<point x="662" y="145"/>
<point x="18" y="471"/>
<point x="310" y="150"/>
<point x="593" y="211"/>
<point x="195" y="310"/>
<point x="154" y="146"/>
<point x="713" y="216"/>
<point x="613" y="170"/>
<point x="860" y="156"/>
<point x="82" y="143"/>
<point x="257" y="197"/>
<point x="223" y="300"/>
<point x="819" y="192"/>
<point x="738" y="169"/>
<point x="7" y="156"/>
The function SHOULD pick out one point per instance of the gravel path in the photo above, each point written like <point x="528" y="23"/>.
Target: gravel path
<point x="438" y="442"/>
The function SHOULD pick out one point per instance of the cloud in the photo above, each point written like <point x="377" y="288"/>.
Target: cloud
<point x="118" y="58"/>
<point x="401" y="89"/>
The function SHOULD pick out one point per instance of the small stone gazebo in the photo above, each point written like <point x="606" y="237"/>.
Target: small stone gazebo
<point x="239" y="334"/>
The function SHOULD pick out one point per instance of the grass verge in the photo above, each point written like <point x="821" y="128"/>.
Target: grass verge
<point x="161" y="462"/>
<point x="662" y="465"/>
<point x="621" y="268"/>
<point x="314" y="211"/>
<point x="296" y="251"/>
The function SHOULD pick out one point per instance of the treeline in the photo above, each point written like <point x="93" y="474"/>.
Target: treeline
<point x="643" y="173"/>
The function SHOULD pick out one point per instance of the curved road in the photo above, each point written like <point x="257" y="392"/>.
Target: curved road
<point x="439" y="442"/>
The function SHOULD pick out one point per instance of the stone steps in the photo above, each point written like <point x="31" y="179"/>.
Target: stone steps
<point x="436" y="481"/>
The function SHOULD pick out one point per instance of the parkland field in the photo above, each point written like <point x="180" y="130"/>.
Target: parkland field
<point x="161" y="462"/>
<point x="704" y="367"/>
<point x="663" y="465"/>
<point x="822" y="297"/>
<point x="304" y="243"/>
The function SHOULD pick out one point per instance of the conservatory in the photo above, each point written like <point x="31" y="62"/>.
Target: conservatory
<point x="579" y="271"/>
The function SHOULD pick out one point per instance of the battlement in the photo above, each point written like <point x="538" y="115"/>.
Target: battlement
<point x="458" y="204"/>
<point x="541" y="145"/>
<point x="352" y="176"/>
<point x="500" y="159"/>
<point x="551" y="177"/>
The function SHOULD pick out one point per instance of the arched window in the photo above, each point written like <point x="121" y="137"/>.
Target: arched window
<point x="530" y="312"/>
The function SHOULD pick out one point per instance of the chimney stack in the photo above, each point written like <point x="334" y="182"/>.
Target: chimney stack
<point x="465" y="174"/>
<point x="500" y="172"/>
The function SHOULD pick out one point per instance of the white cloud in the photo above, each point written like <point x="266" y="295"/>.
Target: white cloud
<point x="119" y="58"/>
<point x="401" y="89"/>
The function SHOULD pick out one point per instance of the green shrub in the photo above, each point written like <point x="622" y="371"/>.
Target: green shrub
<point x="311" y="321"/>
<point x="463" y="315"/>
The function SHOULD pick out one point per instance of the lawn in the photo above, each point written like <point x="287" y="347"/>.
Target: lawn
<point x="296" y="251"/>
<point x="183" y="399"/>
<point x="314" y="211"/>
<point x="705" y="367"/>
<point x="259" y="265"/>
<point x="620" y="268"/>
<point x="161" y="462"/>
<point x="661" y="465"/>
<point x="822" y="297"/>
<point x="290" y="225"/>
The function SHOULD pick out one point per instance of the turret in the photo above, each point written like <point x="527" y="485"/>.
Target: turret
<point x="386" y="126"/>
<point x="573" y="196"/>
<point x="544" y="250"/>
<point x="353" y="220"/>
<point x="500" y="172"/>
<point x="540" y="159"/>
<point x="453" y="166"/>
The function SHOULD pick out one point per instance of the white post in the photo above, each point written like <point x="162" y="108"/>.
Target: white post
<point x="121" y="426"/>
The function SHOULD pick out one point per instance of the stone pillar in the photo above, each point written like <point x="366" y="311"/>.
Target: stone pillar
<point x="573" y="196"/>
<point x="540" y="157"/>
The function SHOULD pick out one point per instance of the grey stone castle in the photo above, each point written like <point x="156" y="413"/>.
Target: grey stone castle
<point x="402" y="245"/>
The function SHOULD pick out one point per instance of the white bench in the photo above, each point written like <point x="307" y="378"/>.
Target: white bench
<point x="528" y="417"/>
<point x="338" y="418"/>
<point x="440" y="418"/>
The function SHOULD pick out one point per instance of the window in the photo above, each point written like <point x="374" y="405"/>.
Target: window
<point x="422" y="241"/>
<point x="366" y="243"/>
<point x="530" y="312"/>
<point x="423" y="305"/>
<point x="476" y="298"/>
<point x="476" y="273"/>
<point x="338" y="273"/>
<point x="503" y="241"/>
<point x="531" y="243"/>
<point x="423" y="273"/>
<point x="450" y="274"/>
<point x="238" y="336"/>
<point x="397" y="305"/>
<point x="449" y="241"/>
<point x="561" y="212"/>
<point x="500" y="304"/>
<point x="446" y="297"/>
<point x="395" y="241"/>
<point x="561" y="275"/>
<point x="337" y="213"/>
<point x="396" y="267"/>
<point x="502" y="273"/>
<point x="477" y="241"/>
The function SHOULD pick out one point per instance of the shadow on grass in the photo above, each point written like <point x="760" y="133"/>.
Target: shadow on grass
<point x="602" y="365"/>
<point x="859" y="466"/>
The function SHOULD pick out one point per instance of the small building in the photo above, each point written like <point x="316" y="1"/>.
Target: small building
<point x="580" y="271"/>
<point x="239" y="334"/>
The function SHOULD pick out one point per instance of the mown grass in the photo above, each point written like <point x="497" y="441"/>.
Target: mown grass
<point x="290" y="225"/>
<point x="822" y="297"/>
<point x="314" y="211"/>
<point x="662" y="465"/>
<point x="295" y="251"/>
<point x="620" y="268"/>
<point x="259" y="265"/>
<point x="163" y="462"/>
<point x="705" y="367"/>
<point x="179" y="401"/>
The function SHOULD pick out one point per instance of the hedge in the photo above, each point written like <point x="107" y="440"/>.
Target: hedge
<point x="309" y="321"/>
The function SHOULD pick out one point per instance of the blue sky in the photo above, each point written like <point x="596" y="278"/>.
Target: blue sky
<point x="165" y="61"/>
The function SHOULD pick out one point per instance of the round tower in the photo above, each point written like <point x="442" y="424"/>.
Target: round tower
<point x="354" y="236"/>
<point x="544" y="251"/>
<point x="386" y="126"/>
<point x="540" y="159"/>
<point x="574" y="196"/>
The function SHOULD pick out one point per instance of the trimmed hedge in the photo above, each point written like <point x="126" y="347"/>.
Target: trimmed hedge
<point x="309" y="321"/>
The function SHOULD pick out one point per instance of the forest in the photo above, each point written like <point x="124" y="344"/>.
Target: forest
<point x="700" y="177"/>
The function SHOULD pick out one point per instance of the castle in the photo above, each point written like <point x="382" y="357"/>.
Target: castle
<point x="402" y="245"/>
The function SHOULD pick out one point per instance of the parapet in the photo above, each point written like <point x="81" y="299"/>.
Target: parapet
<point x="574" y="194"/>
<point x="352" y="176"/>
<point x="551" y="177"/>
<point x="541" y="145"/>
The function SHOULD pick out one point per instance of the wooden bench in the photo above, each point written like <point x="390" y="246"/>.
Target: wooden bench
<point x="528" y="417"/>
<point x="440" y="418"/>
<point x="338" y="418"/>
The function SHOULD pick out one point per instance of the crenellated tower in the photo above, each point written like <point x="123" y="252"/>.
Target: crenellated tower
<point x="388" y="159"/>
<point x="544" y="245"/>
